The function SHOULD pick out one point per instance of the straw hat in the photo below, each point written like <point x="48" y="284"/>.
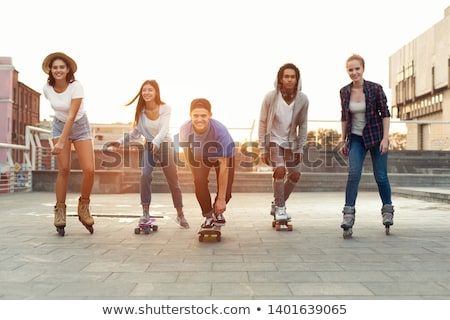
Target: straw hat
<point x="53" y="56"/>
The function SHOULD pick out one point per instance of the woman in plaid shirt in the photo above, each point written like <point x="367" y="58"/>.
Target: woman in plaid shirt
<point x="365" y="120"/>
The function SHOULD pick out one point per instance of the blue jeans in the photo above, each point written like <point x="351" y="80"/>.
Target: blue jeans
<point x="165" y="157"/>
<point x="356" y="156"/>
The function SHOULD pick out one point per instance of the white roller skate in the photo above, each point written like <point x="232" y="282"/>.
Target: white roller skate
<point x="348" y="221"/>
<point x="387" y="212"/>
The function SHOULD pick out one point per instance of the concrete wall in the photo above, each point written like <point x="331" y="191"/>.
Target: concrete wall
<point x="407" y="168"/>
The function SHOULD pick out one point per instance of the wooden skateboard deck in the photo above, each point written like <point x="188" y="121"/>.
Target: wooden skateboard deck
<point x="282" y="225"/>
<point x="209" y="233"/>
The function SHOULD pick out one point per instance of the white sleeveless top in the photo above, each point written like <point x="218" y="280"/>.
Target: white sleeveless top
<point x="358" y="110"/>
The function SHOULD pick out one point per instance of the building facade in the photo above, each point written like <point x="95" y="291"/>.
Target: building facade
<point x="419" y="77"/>
<point x="19" y="107"/>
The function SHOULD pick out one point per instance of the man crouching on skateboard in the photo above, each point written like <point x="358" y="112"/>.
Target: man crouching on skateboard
<point x="208" y="144"/>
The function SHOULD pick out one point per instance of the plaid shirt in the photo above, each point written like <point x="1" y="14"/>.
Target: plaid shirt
<point x="376" y="110"/>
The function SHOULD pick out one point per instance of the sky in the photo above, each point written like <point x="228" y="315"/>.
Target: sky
<point x="226" y="51"/>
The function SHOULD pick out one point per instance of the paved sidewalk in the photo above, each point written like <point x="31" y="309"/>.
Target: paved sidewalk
<point x="253" y="261"/>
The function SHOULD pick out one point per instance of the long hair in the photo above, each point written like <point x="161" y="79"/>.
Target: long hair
<point x="70" y="77"/>
<point x="281" y="71"/>
<point x="141" y="103"/>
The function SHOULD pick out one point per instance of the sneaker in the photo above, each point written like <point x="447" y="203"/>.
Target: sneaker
<point x="181" y="220"/>
<point x="219" y="220"/>
<point x="280" y="214"/>
<point x="145" y="217"/>
<point x="209" y="223"/>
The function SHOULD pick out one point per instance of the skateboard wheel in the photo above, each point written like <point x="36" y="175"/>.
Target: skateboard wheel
<point x="147" y="230"/>
<point x="137" y="230"/>
<point x="290" y="227"/>
<point x="219" y="238"/>
<point x="273" y="224"/>
<point x="200" y="238"/>
<point x="278" y="227"/>
<point x="155" y="228"/>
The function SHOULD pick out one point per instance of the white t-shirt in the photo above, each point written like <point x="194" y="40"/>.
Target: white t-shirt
<point x="152" y="126"/>
<point x="60" y="102"/>
<point x="282" y="122"/>
<point x="358" y="110"/>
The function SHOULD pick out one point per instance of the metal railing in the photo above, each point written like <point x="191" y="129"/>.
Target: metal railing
<point x="16" y="175"/>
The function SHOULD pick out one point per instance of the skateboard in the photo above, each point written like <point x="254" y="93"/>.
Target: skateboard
<point x="282" y="225"/>
<point x="209" y="233"/>
<point x="146" y="227"/>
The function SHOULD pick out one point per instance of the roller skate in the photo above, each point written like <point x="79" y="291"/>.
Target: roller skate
<point x="84" y="215"/>
<point x="60" y="218"/>
<point x="348" y="221"/>
<point x="387" y="212"/>
<point x="281" y="219"/>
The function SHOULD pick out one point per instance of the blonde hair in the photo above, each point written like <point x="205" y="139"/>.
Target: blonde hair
<point x="356" y="57"/>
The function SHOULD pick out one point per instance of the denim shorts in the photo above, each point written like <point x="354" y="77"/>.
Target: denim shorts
<point x="81" y="129"/>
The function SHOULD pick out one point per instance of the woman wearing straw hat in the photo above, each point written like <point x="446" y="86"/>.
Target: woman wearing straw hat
<point x="70" y="126"/>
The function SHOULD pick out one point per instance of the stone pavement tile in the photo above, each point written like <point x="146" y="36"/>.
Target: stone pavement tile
<point x="99" y="290"/>
<point x="66" y="276"/>
<point x="354" y="276"/>
<point x="382" y="264"/>
<point x="408" y="288"/>
<point x="171" y="290"/>
<point x="278" y="258"/>
<point x="213" y="258"/>
<point x="213" y="277"/>
<point x="330" y="289"/>
<point x="116" y="267"/>
<point x="283" y="277"/>
<point x="26" y="291"/>
<point x="423" y="275"/>
<point x="308" y="266"/>
<point x="244" y="266"/>
<point x="143" y="277"/>
<point x="18" y="276"/>
<point x="180" y="267"/>
<point x="250" y="290"/>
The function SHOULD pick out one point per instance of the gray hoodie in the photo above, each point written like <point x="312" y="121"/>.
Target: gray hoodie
<point x="299" y="123"/>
